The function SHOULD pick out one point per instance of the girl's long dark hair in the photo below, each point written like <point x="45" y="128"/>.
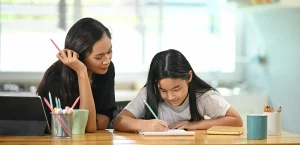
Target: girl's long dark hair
<point x="80" y="38"/>
<point x="173" y="64"/>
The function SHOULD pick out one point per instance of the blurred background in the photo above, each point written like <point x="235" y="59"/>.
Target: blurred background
<point x="247" y="49"/>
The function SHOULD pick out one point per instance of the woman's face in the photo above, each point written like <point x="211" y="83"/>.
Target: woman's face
<point x="174" y="91"/>
<point x="99" y="58"/>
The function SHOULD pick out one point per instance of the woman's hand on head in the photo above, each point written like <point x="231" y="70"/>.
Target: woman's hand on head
<point x="155" y="125"/>
<point x="70" y="59"/>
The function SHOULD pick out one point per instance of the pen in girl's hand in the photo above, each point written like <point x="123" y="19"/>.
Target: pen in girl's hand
<point x="145" y="102"/>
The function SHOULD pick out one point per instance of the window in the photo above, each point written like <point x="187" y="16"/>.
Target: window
<point x="203" y="30"/>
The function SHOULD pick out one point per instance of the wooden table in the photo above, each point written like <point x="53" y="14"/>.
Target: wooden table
<point x="109" y="137"/>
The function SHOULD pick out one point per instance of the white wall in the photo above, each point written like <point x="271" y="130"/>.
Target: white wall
<point x="274" y="32"/>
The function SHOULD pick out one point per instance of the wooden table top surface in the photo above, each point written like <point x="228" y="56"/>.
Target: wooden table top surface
<point x="110" y="137"/>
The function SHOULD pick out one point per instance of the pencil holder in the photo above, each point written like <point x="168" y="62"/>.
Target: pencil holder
<point x="61" y="126"/>
<point x="274" y="123"/>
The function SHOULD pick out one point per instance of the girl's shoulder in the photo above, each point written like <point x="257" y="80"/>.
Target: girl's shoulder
<point x="203" y="94"/>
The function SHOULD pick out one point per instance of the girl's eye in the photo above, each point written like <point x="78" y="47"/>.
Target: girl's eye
<point x="162" y="91"/>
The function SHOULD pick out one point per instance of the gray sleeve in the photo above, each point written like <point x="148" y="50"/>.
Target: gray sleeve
<point x="212" y="104"/>
<point x="136" y="106"/>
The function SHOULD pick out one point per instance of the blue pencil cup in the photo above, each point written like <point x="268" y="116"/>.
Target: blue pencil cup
<point x="257" y="125"/>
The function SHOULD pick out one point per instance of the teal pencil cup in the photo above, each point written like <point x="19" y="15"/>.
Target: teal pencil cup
<point x="257" y="125"/>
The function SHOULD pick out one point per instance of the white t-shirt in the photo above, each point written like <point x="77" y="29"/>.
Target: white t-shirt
<point x="210" y="103"/>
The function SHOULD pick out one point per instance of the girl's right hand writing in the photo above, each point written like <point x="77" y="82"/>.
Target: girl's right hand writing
<point x="70" y="58"/>
<point x="155" y="125"/>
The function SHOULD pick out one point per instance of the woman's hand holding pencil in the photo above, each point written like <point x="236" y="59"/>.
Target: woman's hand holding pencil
<point x="70" y="58"/>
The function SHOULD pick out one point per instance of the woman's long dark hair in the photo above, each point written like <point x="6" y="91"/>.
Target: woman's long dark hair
<point x="172" y="64"/>
<point x="80" y="38"/>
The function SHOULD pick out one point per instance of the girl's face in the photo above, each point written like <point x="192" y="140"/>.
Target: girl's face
<point x="174" y="91"/>
<point x="99" y="58"/>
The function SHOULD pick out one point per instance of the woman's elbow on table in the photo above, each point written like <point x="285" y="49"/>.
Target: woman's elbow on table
<point x="91" y="129"/>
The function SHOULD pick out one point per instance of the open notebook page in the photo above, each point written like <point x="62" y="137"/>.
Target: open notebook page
<point x="169" y="132"/>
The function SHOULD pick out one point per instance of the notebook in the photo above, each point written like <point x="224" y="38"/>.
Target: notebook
<point x="169" y="132"/>
<point x="225" y="130"/>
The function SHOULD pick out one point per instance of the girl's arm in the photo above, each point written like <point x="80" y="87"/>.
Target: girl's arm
<point x="126" y="121"/>
<point x="232" y="118"/>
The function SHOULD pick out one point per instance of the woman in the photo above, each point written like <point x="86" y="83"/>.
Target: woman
<point x="84" y="69"/>
<point x="178" y="97"/>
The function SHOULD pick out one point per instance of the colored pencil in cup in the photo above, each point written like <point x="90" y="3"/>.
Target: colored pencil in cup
<point x="60" y="120"/>
<point x="59" y="104"/>
<point x="50" y="99"/>
<point x="74" y="104"/>
<point x="48" y="105"/>
<point x="56" y="103"/>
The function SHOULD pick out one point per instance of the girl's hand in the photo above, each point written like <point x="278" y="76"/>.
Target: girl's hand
<point x="70" y="59"/>
<point x="184" y="125"/>
<point x="154" y="125"/>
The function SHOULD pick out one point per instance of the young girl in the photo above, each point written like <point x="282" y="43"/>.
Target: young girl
<point x="178" y="97"/>
<point x="84" y="69"/>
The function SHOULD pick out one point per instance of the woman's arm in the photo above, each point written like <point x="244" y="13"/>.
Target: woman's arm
<point x="70" y="58"/>
<point x="102" y="121"/>
<point x="87" y="100"/>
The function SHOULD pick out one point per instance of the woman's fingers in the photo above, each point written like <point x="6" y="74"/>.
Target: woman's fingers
<point x="59" y="56"/>
<point x="63" y="54"/>
<point x="67" y="54"/>
<point x="75" y="55"/>
<point x="70" y="53"/>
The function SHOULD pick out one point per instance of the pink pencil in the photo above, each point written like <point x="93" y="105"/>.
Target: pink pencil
<point x="55" y="45"/>
<point x="74" y="104"/>
<point x="46" y="101"/>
